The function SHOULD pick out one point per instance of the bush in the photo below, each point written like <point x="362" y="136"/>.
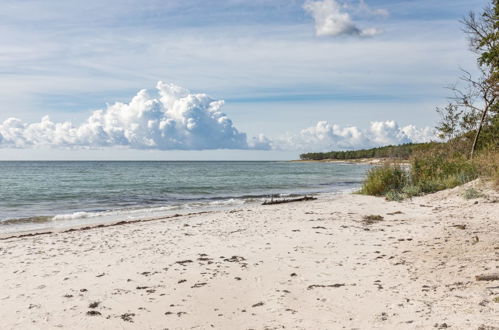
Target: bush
<point x="383" y="179"/>
<point x="487" y="164"/>
<point x="430" y="173"/>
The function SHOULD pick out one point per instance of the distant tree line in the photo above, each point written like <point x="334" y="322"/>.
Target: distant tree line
<point x="403" y="151"/>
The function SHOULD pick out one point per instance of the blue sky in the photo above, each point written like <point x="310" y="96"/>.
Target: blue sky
<point x="279" y="75"/>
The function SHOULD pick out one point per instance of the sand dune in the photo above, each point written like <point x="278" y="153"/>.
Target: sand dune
<point x="309" y="265"/>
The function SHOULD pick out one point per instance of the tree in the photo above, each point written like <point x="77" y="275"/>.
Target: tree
<point x="475" y="105"/>
<point x="450" y="125"/>
<point x="483" y="35"/>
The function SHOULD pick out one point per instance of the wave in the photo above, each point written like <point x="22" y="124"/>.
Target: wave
<point x="148" y="211"/>
<point x="145" y="211"/>
<point x="75" y="215"/>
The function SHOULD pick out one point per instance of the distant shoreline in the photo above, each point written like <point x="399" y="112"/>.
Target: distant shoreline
<point x="373" y="161"/>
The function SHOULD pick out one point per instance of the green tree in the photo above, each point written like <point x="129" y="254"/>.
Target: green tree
<point x="474" y="108"/>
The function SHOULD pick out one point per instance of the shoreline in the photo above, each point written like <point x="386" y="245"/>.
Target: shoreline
<point x="94" y="225"/>
<point x="307" y="265"/>
<point x="69" y="229"/>
<point x="14" y="227"/>
<point x="371" y="161"/>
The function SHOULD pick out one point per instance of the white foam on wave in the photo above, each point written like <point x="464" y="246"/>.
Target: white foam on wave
<point x="72" y="216"/>
<point x="113" y="213"/>
<point x="147" y="212"/>
<point x="227" y="202"/>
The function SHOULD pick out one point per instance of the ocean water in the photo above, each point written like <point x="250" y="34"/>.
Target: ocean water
<point x="46" y="195"/>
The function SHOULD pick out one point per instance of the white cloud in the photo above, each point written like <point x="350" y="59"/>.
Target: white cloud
<point x="180" y="120"/>
<point x="333" y="19"/>
<point x="326" y="136"/>
<point x="176" y="120"/>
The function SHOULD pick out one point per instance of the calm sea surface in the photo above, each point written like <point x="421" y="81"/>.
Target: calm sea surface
<point x="41" y="195"/>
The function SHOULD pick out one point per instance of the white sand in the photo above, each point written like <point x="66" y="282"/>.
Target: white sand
<point x="307" y="265"/>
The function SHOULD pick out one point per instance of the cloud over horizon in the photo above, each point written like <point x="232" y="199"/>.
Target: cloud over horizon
<point x="177" y="119"/>
<point x="325" y="136"/>
<point x="332" y="18"/>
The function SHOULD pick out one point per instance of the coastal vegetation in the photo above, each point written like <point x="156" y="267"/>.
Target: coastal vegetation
<point x="469" y="129"/>
<point x="469" y="125"/>
<point x="403" y="151"/>
<point x="426" y="174"/>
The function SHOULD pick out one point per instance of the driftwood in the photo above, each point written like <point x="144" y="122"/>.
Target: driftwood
<point x="490" y="277"/>
<point x="290" y="200"/>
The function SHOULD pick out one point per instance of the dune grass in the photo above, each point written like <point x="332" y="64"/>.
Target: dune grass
<point x="384" y="179"/>
<point x="429" y="172"/>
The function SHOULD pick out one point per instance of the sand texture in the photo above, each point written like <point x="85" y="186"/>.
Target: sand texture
<point x="307" y="265"/>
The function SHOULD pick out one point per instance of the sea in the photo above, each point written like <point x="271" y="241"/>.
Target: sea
<point x="47" y="195"/>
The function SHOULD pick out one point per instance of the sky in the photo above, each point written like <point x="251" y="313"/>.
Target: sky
<point x="223" y="79"/>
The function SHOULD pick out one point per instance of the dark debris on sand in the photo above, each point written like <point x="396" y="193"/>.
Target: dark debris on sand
<point x="93" y="313"/>
<point x="127" y="317"/>
<point x="337" y="285"/>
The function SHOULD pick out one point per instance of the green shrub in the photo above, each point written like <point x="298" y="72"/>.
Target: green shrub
<point x="436" y="172"/>
<point x="383" y="179"/>
<point x="429" y="172"/>
<point x="432" y="169"/>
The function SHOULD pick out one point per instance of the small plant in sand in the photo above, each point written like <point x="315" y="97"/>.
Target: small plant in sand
<point x="472" y="193"/>
<point x="395" y="196"/>
<point x="370" y="219"/>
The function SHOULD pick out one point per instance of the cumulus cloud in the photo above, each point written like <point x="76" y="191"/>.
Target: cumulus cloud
<point x="326" y="136"/>
<point x="176" y="119"/>
<point x="332" y="18"/>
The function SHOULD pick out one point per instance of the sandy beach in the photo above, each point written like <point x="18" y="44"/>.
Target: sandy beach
<point x="309" y="265"/>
